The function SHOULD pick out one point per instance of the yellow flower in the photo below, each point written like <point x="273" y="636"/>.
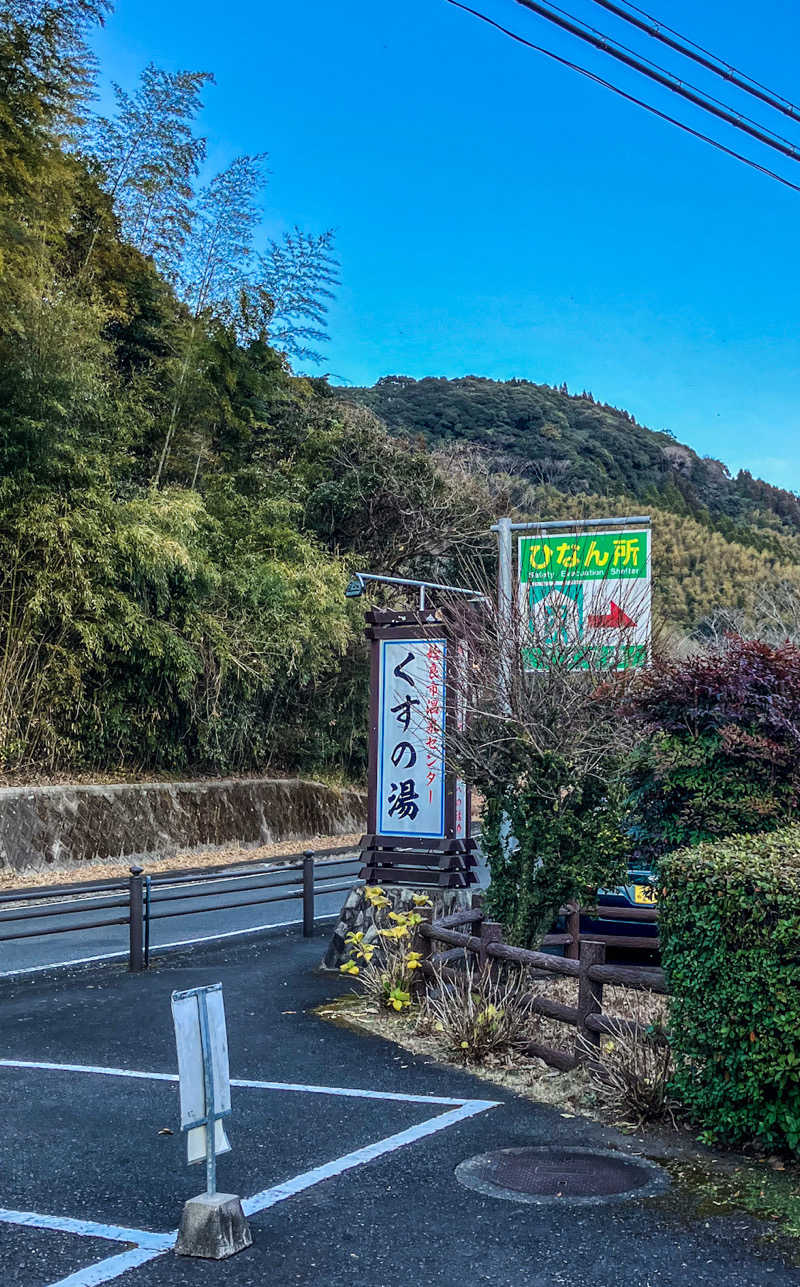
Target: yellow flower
<point x="375" y="896"/>
<point x="354" y="938"/>
<point x="414" y="961"/>
<point x="349" y="967"/>
<point x="422" y="900"/>
<point x="465" y="1045"/>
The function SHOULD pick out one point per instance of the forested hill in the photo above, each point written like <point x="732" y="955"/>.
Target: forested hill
<point x="578" y="446"/>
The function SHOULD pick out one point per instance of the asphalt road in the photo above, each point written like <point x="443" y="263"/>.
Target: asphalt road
<point x="344" y="1149"/>
<point x="199" y="918"/>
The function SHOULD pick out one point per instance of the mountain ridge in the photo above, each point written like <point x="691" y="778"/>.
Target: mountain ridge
<point x="579" y="446"/>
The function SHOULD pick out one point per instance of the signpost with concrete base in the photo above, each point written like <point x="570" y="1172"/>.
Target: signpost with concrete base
<point x="213" y="1224"/>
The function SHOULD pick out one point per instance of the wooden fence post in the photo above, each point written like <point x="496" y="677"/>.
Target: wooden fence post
<point x="572" y="951"/>
<point x="491" y="932"/>
<point x="424" y="945"/>
<point x="590" y="993"/>
<point x="476" y="905"/>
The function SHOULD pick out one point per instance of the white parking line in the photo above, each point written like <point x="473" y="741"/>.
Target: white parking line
<point x="279" y="1192"/>
<point x="149" y="1244"/>
<point x="245" y="1082"/>
<point x="105" y="1271"/>
<point x="85" y="1228"/>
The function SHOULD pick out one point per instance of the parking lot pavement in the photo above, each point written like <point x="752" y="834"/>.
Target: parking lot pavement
<point x="344" y="1149"/>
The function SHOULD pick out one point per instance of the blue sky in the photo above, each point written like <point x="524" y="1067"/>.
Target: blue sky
<point x="499" y="215"/>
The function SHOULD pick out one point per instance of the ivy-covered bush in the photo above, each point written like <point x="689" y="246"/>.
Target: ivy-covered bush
<point x="721" y="752"/>
<point x="730" y="933"/>
<point x="567" y="841"/>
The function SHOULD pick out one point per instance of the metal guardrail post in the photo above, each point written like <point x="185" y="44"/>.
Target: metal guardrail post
<point x="147" y="922"/>
<point x="136" y="921"/>
<point x="308" y="893"/>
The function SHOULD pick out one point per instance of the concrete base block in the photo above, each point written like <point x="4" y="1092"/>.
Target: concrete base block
<point x="213" y="1226"/>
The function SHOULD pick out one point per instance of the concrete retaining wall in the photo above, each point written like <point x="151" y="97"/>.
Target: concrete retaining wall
<point x="60" y="826"/>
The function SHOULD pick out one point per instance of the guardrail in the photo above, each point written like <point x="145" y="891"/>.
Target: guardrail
<point x="590" y="970"/>
<point x="140" y="899"/>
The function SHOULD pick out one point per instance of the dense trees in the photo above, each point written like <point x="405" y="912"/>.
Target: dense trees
<point x="176" y="507"/>
<point x="546" y="436"/>
<point x="179" y="511"/>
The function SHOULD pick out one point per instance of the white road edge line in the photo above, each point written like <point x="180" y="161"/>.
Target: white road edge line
<point x="247" y="1083"/>
<point x="155" y="948"/>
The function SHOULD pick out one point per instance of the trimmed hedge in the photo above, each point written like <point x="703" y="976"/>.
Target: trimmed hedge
<point x="730" y="932"/>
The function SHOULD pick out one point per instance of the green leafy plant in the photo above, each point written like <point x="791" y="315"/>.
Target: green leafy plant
<point x="567" y="841"/>
<point x="730" y="932"/>
<point x="385" y="961"/>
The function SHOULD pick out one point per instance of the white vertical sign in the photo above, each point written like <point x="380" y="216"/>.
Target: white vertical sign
<point x="191" y="1069"/>
<point x="411" y="724"/>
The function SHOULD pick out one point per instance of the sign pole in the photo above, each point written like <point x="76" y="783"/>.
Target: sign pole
<point x="505" y="606"/>
<point x="208" y="1086"/>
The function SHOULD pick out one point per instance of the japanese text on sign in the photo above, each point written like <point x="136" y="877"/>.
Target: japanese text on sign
<point x="581" y="557"/>
<point x="585" y="597"/>
<point x="411" y="738"/>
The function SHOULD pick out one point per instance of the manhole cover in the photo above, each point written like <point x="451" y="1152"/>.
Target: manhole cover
<point x="561" y="1175"/>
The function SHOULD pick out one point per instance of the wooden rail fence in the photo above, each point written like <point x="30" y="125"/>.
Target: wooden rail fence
<point x="483" y="939"/>
<point x="571" y="938"/>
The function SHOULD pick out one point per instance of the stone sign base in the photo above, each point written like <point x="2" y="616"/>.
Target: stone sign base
<point x="213" y="1227"/>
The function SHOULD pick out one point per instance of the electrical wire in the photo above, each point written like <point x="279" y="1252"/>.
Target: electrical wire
<point x="741" y="116"/>
<point x="665" y="80"/>
<point x="699" y="54"/>
<point x="631" y="98"/>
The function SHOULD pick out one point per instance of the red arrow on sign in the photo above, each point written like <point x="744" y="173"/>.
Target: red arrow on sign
<point x="615" y="619"/>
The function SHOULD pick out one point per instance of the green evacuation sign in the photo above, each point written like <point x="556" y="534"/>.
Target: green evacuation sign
<point x="585" y="597"/>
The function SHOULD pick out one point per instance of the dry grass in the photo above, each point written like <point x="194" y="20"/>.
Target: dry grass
<point x="631" y="1070"/>
<point x="484" y="1012"/>
<point x="115" y="868"/>
<point x="629" y="1088"/>
<point x="571" y="1092"/>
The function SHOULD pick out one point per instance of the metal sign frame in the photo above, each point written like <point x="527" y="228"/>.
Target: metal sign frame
<point x="216" y="1096"/>
<point x="508" y="583"/>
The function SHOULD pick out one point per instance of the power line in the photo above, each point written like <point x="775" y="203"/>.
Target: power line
<point x="664" y="79"/>
<point x="741" y="116"/>
<point x="631" y="98"/>
<point x="699" y="54"/>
